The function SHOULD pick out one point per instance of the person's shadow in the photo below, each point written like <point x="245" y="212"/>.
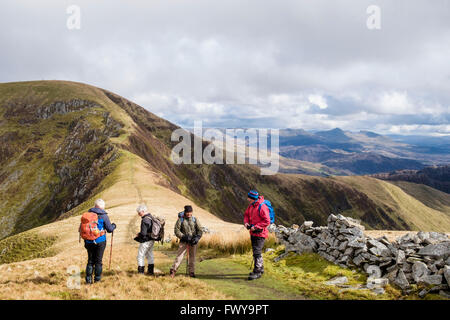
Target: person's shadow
<point x="234" y="276"/>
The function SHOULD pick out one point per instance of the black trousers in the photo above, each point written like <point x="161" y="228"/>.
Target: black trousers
<point x="257" y="246"/>
<point x="95" y="257"/>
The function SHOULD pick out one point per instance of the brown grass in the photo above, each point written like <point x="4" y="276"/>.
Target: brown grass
<point x="237" y="242"/>
<point x="47" y="279"/>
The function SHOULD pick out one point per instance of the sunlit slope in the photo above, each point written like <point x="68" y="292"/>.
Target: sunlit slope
<point x="130" y="184"/>
<point x="40" y="93"/>
<point x="429" y="196"/>
<point x="408" y="210"/>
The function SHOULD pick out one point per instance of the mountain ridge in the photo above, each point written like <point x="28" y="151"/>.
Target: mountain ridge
<point x="437" y="177"/>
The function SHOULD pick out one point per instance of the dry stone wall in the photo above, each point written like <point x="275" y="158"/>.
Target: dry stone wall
<point x="416" y="258"/>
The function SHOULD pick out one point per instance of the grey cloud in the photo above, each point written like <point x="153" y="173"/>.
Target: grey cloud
<point x="175" y="57"/>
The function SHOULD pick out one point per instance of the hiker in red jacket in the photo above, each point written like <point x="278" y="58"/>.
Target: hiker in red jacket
<point x="257" y="219"/>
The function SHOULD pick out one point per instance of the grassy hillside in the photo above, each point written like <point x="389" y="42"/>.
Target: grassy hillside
<point x="408" y="208"/>
<point x="64" y="143"/>
<point x="430" y="197"/>
<point x="56" y="141"/>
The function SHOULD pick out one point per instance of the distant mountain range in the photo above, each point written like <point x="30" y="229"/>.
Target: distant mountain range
<point x="364" y="152"/>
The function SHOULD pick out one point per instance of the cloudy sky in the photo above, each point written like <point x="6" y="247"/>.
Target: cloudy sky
<point x="272" y="63"/>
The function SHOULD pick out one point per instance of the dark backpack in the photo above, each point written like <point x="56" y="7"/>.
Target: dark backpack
<point x="271" y="211"/>
<point x="157" y="231"/>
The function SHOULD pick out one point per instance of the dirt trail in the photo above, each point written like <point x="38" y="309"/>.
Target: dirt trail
<point x="136" y="184"/>
<point x="231" y="278"/>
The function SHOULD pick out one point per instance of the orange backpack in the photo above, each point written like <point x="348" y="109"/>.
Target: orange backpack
<point x="88" y="227"/>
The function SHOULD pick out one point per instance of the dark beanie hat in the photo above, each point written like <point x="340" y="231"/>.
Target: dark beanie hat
<point x="187" y="208"/>
<point x="253" y="194"/>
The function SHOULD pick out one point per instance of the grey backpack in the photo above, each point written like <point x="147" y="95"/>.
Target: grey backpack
<point x="157" y="231"/>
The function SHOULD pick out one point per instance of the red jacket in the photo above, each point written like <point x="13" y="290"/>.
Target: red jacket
<point x="260" y="218"/>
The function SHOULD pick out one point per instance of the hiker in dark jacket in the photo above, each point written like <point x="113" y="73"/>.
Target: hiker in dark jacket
<point x="146" y="244"/>
<point x="96" y="248"/>
<point x="189" y="230"/>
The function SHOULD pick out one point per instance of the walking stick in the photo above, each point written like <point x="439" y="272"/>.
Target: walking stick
<point x="110" y="251"/>
<point x="187" y="259"/>
<point x="79" y="241"/>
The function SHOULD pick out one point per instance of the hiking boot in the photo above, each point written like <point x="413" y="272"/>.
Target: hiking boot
<point x="141" y="270"/>
<point x="172" y="273"/>
<point x="89" y="270"/>
<point x="256" y="271"/>
<point x="98" y="273"/>
<point x="151" y="270"/>
<point x="254" y="276"/>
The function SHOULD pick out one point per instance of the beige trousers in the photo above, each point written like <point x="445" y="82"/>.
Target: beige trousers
<point x="180" y="254"/>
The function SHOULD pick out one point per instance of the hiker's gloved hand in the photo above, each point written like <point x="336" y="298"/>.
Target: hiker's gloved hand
<point x="186" y="238"/>
<point x="195" y="240"/>
<point x="138" y="237"/>
<point x="256" y="230"/>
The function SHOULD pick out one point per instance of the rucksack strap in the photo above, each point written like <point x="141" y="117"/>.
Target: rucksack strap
<point x="181" y="216"/>
<point x="182" y="219"/>
<point x="259" y="207"/>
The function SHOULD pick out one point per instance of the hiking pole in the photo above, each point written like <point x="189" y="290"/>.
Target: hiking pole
<point x="110" y="251"/>
<point x="81" y="255"/>
<point x="187" y="259"/>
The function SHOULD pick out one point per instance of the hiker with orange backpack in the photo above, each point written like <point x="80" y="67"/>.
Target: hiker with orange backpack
<point x="256" y="219"/>
<point x="189" y="230"/>
<point x="94" y="225"/>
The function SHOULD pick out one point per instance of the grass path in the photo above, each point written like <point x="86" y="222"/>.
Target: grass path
<point x="230" y="278"/>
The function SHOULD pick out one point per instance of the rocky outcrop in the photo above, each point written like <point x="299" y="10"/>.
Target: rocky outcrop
<point x="90" y="148"/>
<point x="421" y="258"/>
<point x="63" y="107"/>
<point x="32" y="110"/>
